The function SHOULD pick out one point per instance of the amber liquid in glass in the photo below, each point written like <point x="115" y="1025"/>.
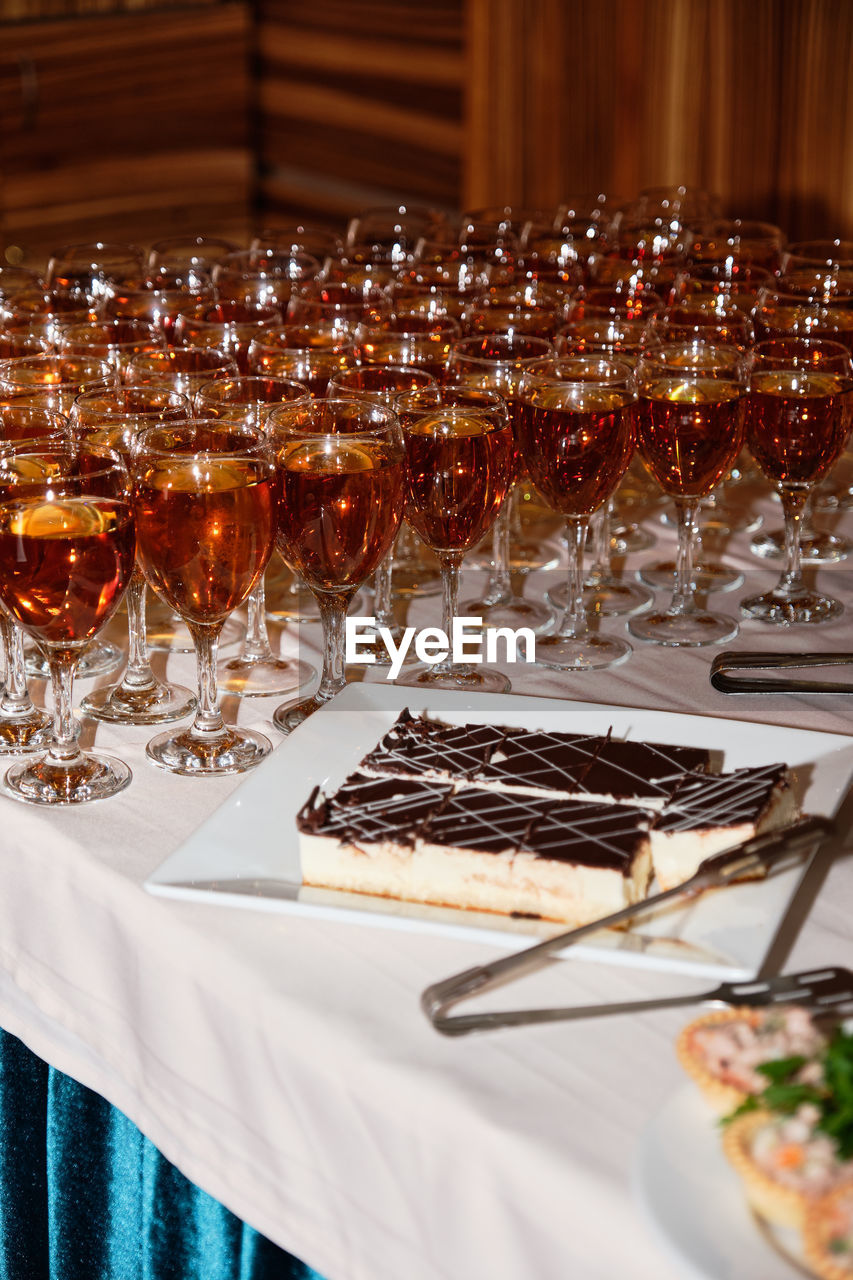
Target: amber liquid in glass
<point x="690" y="432"/>
<point x="459" y="470"/>
<point x="576" y="446"/>
<point x="65" y="564"/>
<point x="798" y="423"/>
<point x="340" y="509"/>
<point x="206" y="529"/>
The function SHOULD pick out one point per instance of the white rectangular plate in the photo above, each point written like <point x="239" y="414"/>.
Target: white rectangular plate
<point x="247" y="853"/>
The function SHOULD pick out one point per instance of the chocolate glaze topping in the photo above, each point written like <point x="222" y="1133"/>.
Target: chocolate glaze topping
<point x="722" y="800"/>
<point x="590" y="835"/>
<point x="404" y="811"/>
<point x="647" y="770"/>
<point x="415" y="746"/>
<point x="372" y="809"/>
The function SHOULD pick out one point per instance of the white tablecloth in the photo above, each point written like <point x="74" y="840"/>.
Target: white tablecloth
<point x="283" y="1063"/>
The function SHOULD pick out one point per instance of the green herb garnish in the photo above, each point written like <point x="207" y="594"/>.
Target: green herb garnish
<point x="832" y="1095"/>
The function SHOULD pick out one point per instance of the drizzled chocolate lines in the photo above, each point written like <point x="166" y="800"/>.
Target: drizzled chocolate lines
<point x="567" y="830"/>
<point x="372" y="809"/>
<point x="721" y="800"/>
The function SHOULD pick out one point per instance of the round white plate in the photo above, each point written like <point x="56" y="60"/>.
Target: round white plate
<point x="694" y="1202"/>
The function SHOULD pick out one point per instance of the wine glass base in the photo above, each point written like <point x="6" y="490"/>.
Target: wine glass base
<point x="530" y="557"/>
<point x="608" y="598"/>
<point x="372" y="645"/>
<point x="818" y="548"/>
<point x="29" y="732"/>
<point x="459" y="677"/>
<point x="98" y="660"/>
<point x="263" y="677"/>
<point x="167" y="633"/>
<point x="707" y="577"/>
<point x="684" y="630"/>
<point x="509" y="611"/>
<point x="154" y="703"/>
<point x="91" y="776"/>
<point x="194" y="755"/>
<point x="807" y="607"/>
<point x="581" y="653"/>
<point x="625" y="538"/>
<point x="415" y="581"/>
<point x="290" y="715"/>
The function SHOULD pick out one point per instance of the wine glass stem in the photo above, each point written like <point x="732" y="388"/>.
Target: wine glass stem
<point x="208" y="722"/>
<point x="138" y="674"/>
<point x="500" y="583"/>
<point x="382" y="608"/>
<point x="63" y="749"/>
<point x="682" y="597"/>
<point x="16" y="698"/>
<point x="793" y="505"/>
<point x="333" y="612"/>
<point x="574" y="622"/>
<point x="257" y="642"/>
<point x="451" y="563"/>
<point x="601" y="543"/>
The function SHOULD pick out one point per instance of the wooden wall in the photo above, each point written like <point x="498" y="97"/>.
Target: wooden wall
<point x="230" y="112"/>
<point x="360" y="102"/>
<point x="125" y="127"/>
<point x="474" y="102"/>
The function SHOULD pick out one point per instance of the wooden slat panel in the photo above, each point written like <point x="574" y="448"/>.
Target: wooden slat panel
<point x="128" y="124"/>
<point x="753" y="101"/>
<point x="360" y="103"/>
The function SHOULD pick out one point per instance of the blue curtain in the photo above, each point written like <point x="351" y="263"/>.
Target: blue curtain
<point x="85" y="1196"/>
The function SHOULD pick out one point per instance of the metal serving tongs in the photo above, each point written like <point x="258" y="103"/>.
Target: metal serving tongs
<point x="754" y="660"/>
<point x="761" y="854"/>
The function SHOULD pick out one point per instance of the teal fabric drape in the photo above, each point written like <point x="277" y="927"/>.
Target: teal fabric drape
<point x="85" y="1196"/>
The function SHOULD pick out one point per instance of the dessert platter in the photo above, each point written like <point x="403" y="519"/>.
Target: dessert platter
<point x="502" y="819"/>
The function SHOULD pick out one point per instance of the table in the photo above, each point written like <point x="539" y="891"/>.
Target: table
<point x="283" y="1063"/>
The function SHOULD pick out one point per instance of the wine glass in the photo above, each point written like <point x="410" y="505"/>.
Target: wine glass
<point x="690" y="429"/>
<point x="112" y="340"/>
<point x="54" y="382"/>
<point x="342" y="469"/>
<point x="86" y="270"/>
<point x="800" y="409"/>
<point x="189" y="259"/>
<point x="575" y="430"/>
<point x="255" y="672"/>
<point x="157" y="301"/>
<point x="206" y="498"/>
<point x="66" y="557"/>
<point x="459" y="466"/>
<point x="23" y="726"/>
<point x="310" y="354"/>
<point x="319" y="242"/>
<point x="226" y="326"/>
<point x="382" y="384"/>
<point x="336" y="305"/>
<point x="497" y="362"/>
<point x="112" y="420"/>
<point x="605" y="593"/>
<point x="263" y="277"/>
<point x="183" y="369"/>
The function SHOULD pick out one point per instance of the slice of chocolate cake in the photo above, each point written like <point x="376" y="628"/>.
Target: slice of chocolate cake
<point x="709" y="813"/>
<point x="475" y="849"/>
